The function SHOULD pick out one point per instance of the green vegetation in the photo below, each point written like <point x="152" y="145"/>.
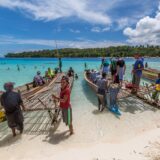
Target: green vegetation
<point x="123" y="51"/>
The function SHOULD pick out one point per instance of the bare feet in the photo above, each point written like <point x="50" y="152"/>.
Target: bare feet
<point x="21" y="131"/>
<point x="13" y="132"/>
<point x="71" y="132"/>
<point x="71" y="129"/>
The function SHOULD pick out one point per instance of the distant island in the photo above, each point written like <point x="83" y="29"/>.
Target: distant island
<point x="122" y="51"/>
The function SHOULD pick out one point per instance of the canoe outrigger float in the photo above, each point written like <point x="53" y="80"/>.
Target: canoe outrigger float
<point x="40" y="98"/>
<point x="150" y="74"/>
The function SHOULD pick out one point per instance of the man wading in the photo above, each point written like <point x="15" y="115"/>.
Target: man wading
<point x="11" y="101"/>
<point x="65" y="103"/>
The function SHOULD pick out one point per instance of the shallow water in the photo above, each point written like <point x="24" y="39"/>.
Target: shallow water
<point x="29" y="67"/>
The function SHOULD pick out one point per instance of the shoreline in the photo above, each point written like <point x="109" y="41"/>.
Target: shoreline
<point x="72" y="57"/>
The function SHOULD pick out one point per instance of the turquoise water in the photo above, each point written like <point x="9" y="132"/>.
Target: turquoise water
<point x="29" y="67"/>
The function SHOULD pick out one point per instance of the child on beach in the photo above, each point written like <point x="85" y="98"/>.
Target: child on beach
<point x="65" y="103"/>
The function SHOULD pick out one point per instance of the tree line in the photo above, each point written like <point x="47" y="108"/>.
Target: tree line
<point x="122" y="51"/>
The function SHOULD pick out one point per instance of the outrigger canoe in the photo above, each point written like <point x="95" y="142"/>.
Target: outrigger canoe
<point x="44" y="93"/>
<point x="144" y="92"/>
<point x="150" y="74"/>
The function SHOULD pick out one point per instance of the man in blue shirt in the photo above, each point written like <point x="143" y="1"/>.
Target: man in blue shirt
<point x="137" y="73"/>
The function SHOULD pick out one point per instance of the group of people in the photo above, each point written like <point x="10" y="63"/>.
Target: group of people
<point x="117" y="69"/>
<point x="104" y="89"/>
<point x="39" y="80"/>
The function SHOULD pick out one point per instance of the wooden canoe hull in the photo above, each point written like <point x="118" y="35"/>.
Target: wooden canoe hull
<point x="90" y="83"/>
<point x="28" y="89"/>
<point x="125" y="92"/>
<point x="150" y="74"/>
<point x="31" y="101"/>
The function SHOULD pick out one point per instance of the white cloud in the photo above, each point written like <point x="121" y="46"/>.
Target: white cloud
<point x="54" y="9"/>
<point x="147" y="31"/>
<point x="105" y="29"/>
<point x="123" y="22"/>
<point x="99" y="29"/>
<point x="75" y="31"/>
<point x="96" y="29"/>
<point x="123" y="13"/>
<point x="83" y="43"/>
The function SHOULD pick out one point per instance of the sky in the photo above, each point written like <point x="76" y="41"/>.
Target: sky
<point x="41" y="24"/>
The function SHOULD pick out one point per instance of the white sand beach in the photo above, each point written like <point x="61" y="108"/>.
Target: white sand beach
<point x="98" y="136"/>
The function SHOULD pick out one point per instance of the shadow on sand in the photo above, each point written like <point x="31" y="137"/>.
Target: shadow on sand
<point x="132" y="104"/>
<point x="56" y="138"/>
<point x="36" y="123"/>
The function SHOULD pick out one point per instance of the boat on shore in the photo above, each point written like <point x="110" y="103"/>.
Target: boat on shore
<point x="144" y="92"/>
<point x="32" y="96"/>
<point x="150" y="74"/>
<point x="90" y="83"/>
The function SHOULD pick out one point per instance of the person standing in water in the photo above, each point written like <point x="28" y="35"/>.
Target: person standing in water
<point x="11" y="101"/>
<point x="18" y="68"/>
<point x="146" y="65"/>
<point x="60" y="65"/>
<point x="85" y="65"/>
<point x="65" y="105"/>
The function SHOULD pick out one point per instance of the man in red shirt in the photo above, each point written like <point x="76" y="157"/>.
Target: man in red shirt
<point x="65" y="103"/>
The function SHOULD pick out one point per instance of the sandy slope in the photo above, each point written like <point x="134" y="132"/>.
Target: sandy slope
<point x="98" y="136"/>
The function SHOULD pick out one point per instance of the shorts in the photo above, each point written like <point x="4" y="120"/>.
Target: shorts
<point x="67" y="116"/>
<point x="136" y="80"/>
<point x="15" y="119"/>
<point x="101" y="91"/>
<point x="121" y="73"/>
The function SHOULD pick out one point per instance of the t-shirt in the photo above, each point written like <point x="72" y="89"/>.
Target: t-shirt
<point x="38" y="80"/>
<point x="101" y="83"/>
<point x="66" y="92"/>
<point x="158" y="84"/>
<point x="113" y="65"/>
<point x="158" y="81"/>
<point x="106" y="64"/>
<point x="121" y="63"/>
<point x="11" y="101"/>
<point x="105" y="69"/>
<point x="138" y="65"/>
